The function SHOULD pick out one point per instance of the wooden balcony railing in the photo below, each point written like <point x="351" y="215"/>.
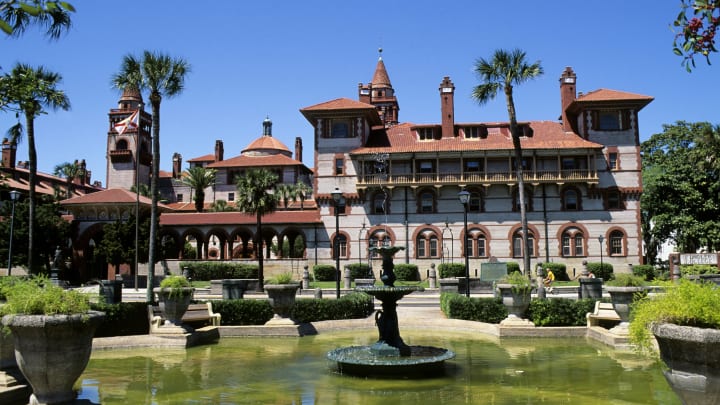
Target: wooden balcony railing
<point x="481" y="178"/>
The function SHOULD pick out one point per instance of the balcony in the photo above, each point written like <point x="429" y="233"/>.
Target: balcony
<point x="477" y="178"/>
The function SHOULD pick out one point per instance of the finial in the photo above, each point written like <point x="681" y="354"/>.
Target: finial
<point x="380" y="53"/>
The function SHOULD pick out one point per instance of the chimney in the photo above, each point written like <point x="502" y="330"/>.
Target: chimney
<point x="567" y="96"/>
<point x="447" y="107"/>
<point x="298" y="149"/>
<point x="177" y="165"/>
<point x="9" y="153"/>
<point x="364" y="92"/>
<point x="219" y="151"/>
<point x="84" y="173"/>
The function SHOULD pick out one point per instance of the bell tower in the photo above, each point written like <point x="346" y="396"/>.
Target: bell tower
<point x="129" y="150"/>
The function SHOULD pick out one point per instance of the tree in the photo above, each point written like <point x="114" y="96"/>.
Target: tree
<point x="199" y="178"/>
<point x="70" y="171"/>
<point x="52" y="16"/>
<point x="220" y="206"/>
<point x="285" y="192"/>
<point x="698" y="22"/>
<point x="29" y="91"/>
<point x="504" y="71"/>
<point x="256" y="196"/>
<point x="681" y="188"/>
<point x="302" y="191"/>
<point x="162" y="76"/>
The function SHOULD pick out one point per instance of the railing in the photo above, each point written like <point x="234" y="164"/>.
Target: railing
<point x="435" y="178"/>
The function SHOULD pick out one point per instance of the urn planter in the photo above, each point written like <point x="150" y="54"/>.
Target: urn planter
<point x="52" y="351"/>
<point x="622" y="298"/>
<point x="282" y="299"/>
<point x="516" y="300"/>
<point x="692" y="356"/>
<point x="174" y="303"/>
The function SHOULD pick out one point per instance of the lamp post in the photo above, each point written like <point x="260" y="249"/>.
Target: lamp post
<point x="601" y="239"/>
<point x="339" y="204"/>
<point x="464" y="197"/>
<point x="14" y="196"/>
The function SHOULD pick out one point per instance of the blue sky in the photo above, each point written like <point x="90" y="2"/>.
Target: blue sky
<point x="271" y="58"/>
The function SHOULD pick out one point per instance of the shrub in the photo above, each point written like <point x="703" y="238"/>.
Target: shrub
<point x="407" y="272"/>
<point x="217" y="270"/>
<point x="520" y="283"/>
<point x="696" y="269"/>
<point x="558" y="269"/>
<point x="324" y="272"/>
<point x="243" y="312"/>
<point x="359" y="270"/>
<point x="626" y="280"/>
<point x="351" y="306"/>
<point x="122" y="319"/>
<point x="512" y="267"/>
<point x="450" y="270"/>
<point x="38" y="296"/>
<point x="456" y="306"/>
<point x="604" y="272"/>
<point x="646" y="271"/>
<point x="560" y="311"/>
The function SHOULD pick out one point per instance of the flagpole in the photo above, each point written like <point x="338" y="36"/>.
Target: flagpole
<point x="137" y="190"/>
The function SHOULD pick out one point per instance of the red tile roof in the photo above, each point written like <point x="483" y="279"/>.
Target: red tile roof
<point x="205" y="158"/>
<point x="607" y="96"/>
<point x="239" y="218"/>
<point x="110" y="196"/>
<point x="266" y="142"/>
<point x="249" y="161"/>
<point x="546" y="135"/>
<point x="339" y="104"/>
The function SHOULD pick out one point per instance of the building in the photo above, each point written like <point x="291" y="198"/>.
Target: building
<point x="400" y="183"/>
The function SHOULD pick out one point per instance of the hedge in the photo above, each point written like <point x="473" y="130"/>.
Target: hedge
<point x="359" y="270"/>
<point x="558" y="269"/>
<point x="647" y="271"/>
<point x="605" y="272"/>
<point x="122" y="319"/>
<point x="456" y="306"/>
<point x="450" y="270"/>
<point x="351" y="306"/>
<point x="324" y="272"/>
<point x="243" y="312"/>
<point x="407" y="272"/>
<point x="218" y="270"/>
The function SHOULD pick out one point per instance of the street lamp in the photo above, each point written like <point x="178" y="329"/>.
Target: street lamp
<point x="601" y="239"/>
<point x="14" y="196"/>
<point x="339" y="205"/>
<point x="464" y="197"/>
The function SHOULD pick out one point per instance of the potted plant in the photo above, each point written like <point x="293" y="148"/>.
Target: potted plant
<point x="624" y="289"/>
<point x="281" y="291"/>
<point x="52" y="330"/>
<point x="174" y="294"/>
<point x="685" y="322"/>
<point x="515" y="290"/>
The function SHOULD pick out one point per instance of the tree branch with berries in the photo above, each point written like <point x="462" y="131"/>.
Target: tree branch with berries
<point x="697" y="22"/>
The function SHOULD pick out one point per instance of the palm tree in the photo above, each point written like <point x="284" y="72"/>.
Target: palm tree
<point x="286" y="192"/>
<point x="221" y="206"/>
<point x="162" y="76"/>
<point x="52" y="16"/>
<point x="70" y="171"/>
<point x="29" y="91"/>
<point x="502" y="72"/>
<point x="301" y="191"/>
<point x="256" y="196"/>
<point x="199" y="178"/>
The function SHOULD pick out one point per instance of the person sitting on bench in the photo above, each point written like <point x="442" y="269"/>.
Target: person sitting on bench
<point x="549" y="280"/>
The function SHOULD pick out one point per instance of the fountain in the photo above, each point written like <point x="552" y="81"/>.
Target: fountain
<point x="389" y="356"/>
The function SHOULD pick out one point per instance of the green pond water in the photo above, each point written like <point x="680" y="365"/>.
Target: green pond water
<point x="485" y="370"/>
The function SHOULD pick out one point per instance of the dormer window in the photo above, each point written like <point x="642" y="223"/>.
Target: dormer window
<point x="340" y="129"/>
<point x="426" y="134"/>
<point x="610" y="120"/>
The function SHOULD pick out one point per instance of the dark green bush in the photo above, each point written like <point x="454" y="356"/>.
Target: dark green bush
<point x="243" y="312"/>
<point x="560" y="311"/>
<point x="456" y="306"/>
<point x="646" y="271"/>
<point x="324" y="272"/>
<point x="123" y="319"/>
<point x="558" y="269"/>
<point x="407" y="272"/>
<point x="359" y="270"/>
<point x="351" y="306"/>
<point x="605" y="272"/>
<point x="513" y="267"/>
<point x="450" y="270"/>
<point x="695" y="269"/>
<point x="218" y="270"/>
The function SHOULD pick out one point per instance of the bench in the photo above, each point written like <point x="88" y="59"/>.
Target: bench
<point x="197" y="316"/>
<point x="603" y="315"/>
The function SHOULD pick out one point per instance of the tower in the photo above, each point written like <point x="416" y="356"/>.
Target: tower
<point x="381" y="94"/>
<point x="129" y="155"/>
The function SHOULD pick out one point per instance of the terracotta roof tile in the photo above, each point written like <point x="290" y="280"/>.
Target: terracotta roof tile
<point x="205" y="158"/>
<point x="110" y="196"/>
<point x="249" y="161"/>
<point x="266" y="142"/>
<point x="340" y="104"/>
<point x="239" y="218"/>
<point x="612" y="95"/>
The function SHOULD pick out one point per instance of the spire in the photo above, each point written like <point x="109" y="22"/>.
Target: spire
<point x="130" y="99"/>
<point x="267" y="127"/>
<point x="381" y="78"/>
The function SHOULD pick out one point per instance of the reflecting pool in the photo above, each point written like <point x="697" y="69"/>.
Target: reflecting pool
<point x="295" y="371"/>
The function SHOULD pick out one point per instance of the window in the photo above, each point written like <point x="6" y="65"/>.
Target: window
<point x="427" y="202"/>
<point x="617" y="243"/>
<point x="339" y="166"/>
<point x="433" y="246"/>
<point x="340" y="129"/>
<point x="179" y="197"/>
<point x="121" y="145"/>
<point x="517" y="244"/>
<point x="475" y="202"/>
<point x="613" y="161"/>
<point x="341" y="248"/>
<point x="472" y="166"/>
<point x="426" y="167"/>
<point x="613" y="200"/>
<point x="481" y="246"/>
<point x="426" y="244"/>
<point x="609" y="120"/>
<point x="379" y="203"/>
<point x="379" y="238"/>
<point x="472" y="132"/>
<point x="573" y="243"/>
<point x="476" y="244"/>
<point x="528" y="201"/>
<point x="426" y="134"/>
<point x="571" y="200"/>
<point x="231" y="196"/>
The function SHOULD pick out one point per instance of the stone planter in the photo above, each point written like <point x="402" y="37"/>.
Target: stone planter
<point x="282" y="299"/>
<point x="693" y="358"/>
<point x="516" y="301"/>
<point x="590" y="288"/>
<point x="234" y="289"/>
<point x="174" y="304"/>
<point x="364" y="282"/>
<point x="622" y="298"/>
<point x="52" y="351"/>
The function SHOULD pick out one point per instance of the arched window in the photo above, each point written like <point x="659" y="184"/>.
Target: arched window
<point x="571" y="199"/>
<point x="517" y="243"/>
<point x="573" y="243"/>
<point x="379" y="238"/>
<point x="617" y="244"/>
<point x="427" y="245"/>
<point x="342" y="245"/>
<point x="475" y="244"/>
<point x="121" y="144"/>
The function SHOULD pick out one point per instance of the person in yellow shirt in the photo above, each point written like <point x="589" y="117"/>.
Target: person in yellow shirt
<point x="549" y="280"/>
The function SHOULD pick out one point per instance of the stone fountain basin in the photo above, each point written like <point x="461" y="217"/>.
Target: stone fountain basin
<point x="424" y="361"/>
<point x="385" y="293"/>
